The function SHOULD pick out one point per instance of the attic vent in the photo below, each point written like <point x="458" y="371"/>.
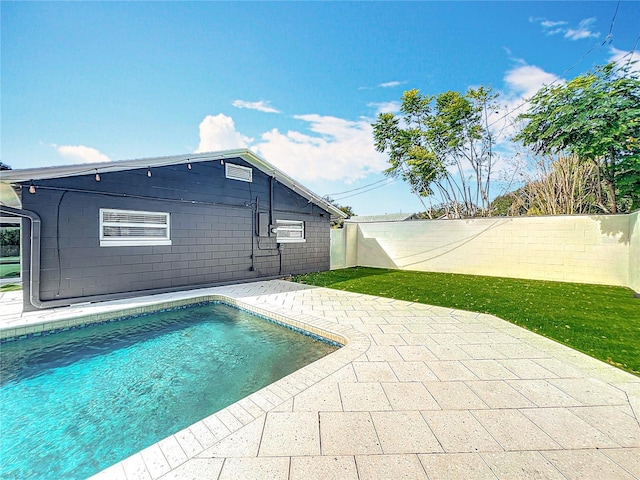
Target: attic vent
<point x="119" y="228"/>
<point x="238" y="172"/>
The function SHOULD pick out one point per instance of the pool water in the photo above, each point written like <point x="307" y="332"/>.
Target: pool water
<point x="76" y="402"/>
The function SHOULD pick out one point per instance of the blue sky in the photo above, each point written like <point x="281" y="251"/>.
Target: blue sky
<point x="297" y="82"/>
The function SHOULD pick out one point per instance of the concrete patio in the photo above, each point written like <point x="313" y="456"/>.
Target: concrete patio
<point x="418" y="392"/>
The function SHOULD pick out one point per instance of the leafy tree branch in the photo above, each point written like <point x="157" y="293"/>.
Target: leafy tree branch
<point x="596" y="117"/>
<point x="442" y="145"/>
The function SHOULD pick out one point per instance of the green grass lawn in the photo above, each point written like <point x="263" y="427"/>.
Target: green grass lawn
<point x="10" y="270"/>
<point x="599" y="320"/>
<point x="10" y="287"/>
<point x="9" y="267"/>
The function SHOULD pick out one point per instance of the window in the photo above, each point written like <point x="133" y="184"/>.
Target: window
<point x="120" y="228"/>
<point x="290" y="231"/>
<point x="238" y="172"/>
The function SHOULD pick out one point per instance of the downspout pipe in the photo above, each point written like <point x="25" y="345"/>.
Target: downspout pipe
<point x="272" y="222"/>
<point x="34" y="265"/>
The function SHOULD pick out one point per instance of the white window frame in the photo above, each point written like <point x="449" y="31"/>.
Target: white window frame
<point x="290" y="226"/>
<point x="125" y="241"/>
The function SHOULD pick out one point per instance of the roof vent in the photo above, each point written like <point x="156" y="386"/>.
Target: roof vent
<point x="238" y="172"/>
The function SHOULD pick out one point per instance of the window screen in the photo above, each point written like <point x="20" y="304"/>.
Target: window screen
<point x="120" y="228"/>
<point x="290" y="231"/>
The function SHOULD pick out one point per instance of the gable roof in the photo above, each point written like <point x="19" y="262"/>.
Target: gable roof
<point x="389" y="217"/>
<point x="9" y="177"/>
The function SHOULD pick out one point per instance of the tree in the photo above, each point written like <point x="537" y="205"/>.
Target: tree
<point x="347" y="210"/>
<point x="9" y="236"/>
<point x="508" y="204"/>
<point x="560" y="185"/>
<point x="596" y="117"/>
<point x="339" y="223"/>
<point x="4" y="166"/>
<point x="434" y="212"/>
<point x="436" y="142"/>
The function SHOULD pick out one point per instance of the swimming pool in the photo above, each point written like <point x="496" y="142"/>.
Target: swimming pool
<point x="75" y="402"/>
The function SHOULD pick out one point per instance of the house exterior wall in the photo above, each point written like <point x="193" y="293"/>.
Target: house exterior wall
<point x="212" y="231"/>
<point x="602" y="249"/>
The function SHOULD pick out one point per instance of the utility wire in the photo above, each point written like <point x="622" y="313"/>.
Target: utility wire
<point x="630" y="54"/>
<point x="524" y="102"/>
<point x="610" y="35"/>
<point x="365" y="191"/>
<point x="356" y="189"/>
<point x="607" y="39"/>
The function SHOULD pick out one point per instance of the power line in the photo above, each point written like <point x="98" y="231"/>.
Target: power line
<point x="365" y="191"/>
<point x="608" y="39"/>
<point x="630" y="54"/>
<point x="356" y="189"/>
<point x="524" y="102"/>
<point x="375" y="185"/>
<point x="610" y="35"/>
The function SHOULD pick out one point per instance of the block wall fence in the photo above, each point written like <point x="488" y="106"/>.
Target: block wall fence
<point x="601" y="249"/>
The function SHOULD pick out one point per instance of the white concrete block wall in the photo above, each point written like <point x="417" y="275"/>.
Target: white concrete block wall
<point x="351" y="232"/>
<point x="338" y="254"/>
<point x="589" y="249"/>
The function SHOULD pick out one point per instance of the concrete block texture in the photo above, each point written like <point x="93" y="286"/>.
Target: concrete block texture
<point x="213" y="232"/>
<point x="600" y="249"/>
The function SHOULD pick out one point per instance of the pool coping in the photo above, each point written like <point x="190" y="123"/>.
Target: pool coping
<point x="35" y="329"/>
<point x="200" y="436"/>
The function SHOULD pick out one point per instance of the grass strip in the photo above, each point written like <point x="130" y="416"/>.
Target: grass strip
<point x="599" y="320"/>
<point x="10" y="270"/>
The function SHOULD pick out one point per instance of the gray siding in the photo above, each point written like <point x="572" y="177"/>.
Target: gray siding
<point x="212" y="231"/>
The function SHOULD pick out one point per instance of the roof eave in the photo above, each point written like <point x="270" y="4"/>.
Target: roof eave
<point x="29" y="174"/>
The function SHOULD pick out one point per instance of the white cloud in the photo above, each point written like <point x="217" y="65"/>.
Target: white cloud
<point x="623" y="57"/>
<point x="524" y="81"/>
<point x="385" y="107"/>
<point x="521" y="83"/>
<point x="261" y="106"/>
<point x="219" y="133"/>
<point x="583" y="30"/>
<point x="81" y="154"/>
<point x="551" y="24"/>
<point x="392" y="84"/>
<point x="339" y="149"/>
<point x="336" y="149"/>
<point x="554" y="27"/>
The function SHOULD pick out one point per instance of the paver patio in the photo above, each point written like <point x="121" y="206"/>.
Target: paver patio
<point x="418" y="392"/>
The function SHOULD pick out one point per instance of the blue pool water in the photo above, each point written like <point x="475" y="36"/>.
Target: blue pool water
<point x="75" y="402"/>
